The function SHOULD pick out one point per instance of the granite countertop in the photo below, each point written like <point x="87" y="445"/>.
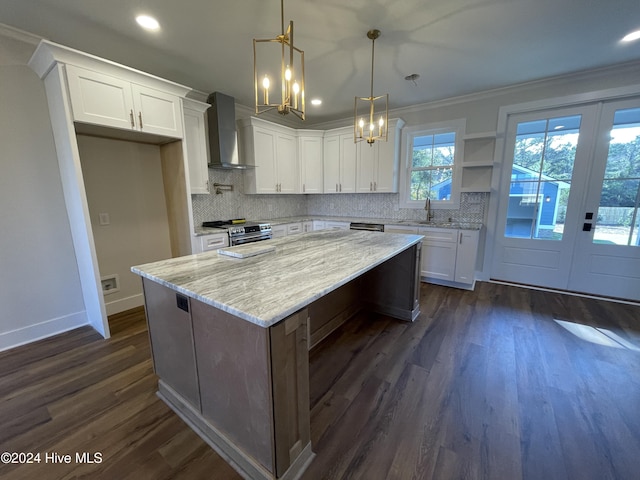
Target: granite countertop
<point x="267" y="288"/>
<point x="384" y="221"/>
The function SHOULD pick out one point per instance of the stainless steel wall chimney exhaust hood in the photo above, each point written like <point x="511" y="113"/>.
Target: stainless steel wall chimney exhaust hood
<point x="223" y="138"/>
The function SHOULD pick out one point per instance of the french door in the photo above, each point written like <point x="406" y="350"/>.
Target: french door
<point x="568" y="214"/>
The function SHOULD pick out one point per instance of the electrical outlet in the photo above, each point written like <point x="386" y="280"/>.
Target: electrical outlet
<point x="103" y="219"/>
<point x="332" y="206"/>
<point x="270" y="207"/>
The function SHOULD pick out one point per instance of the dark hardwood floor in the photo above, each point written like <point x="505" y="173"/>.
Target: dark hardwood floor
<point x="500" y="383"/>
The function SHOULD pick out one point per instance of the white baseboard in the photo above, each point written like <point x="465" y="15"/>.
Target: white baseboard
<point x="123" y="304"/>
<point x="38" y="331"/>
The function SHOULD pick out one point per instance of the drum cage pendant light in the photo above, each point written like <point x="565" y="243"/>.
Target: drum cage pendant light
<point x="291" y="73"/>
<point x="371" y="123"/>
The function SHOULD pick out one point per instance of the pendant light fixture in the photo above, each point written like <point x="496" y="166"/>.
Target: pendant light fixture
<point x="370" y="123"/>
<point x="290" y="73"/>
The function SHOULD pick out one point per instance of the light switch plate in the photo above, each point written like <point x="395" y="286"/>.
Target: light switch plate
<point x="104" y="219"/>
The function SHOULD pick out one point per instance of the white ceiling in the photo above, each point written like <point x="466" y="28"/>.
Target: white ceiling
<point x="456" y="46"/>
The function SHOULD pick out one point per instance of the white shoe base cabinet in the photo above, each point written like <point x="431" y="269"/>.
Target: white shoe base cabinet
<point x="108" y="101"/>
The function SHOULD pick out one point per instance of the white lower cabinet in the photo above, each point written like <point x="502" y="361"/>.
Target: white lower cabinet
<point x="448" y="255"/>
<point x="294" y="228"/>
<point x="307" y="226"/>
<point x="466" y="256"/>
<point x="400" y="229"/>
<point x="439" y="248"/>
<point x="211" y="242"/>
<point x="319" y="225"/>
<point x="278" y="231"/>
<point x="331" y="225"/>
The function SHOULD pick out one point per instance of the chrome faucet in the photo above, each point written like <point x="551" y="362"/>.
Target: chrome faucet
<point x="427" y="207"/>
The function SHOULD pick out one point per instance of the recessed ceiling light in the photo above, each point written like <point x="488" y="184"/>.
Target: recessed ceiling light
<point x="631" y="36"/>
<point x="147" y="22"/>
<point x="316" y="101"/>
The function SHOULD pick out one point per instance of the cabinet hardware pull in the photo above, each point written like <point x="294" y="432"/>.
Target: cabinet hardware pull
<point x="460" y="238"/>
<point x="133" y="124"/>
<point x="336" y="187"/>
<point x="140" y="118"/>
<point x="340" y="187"/>
<point x="303" y="188"/>
<point x="375" y="186"/>
<point x="371" y="186"/>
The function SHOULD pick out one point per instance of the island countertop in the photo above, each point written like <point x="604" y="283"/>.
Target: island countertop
<point x="267" y="288"/>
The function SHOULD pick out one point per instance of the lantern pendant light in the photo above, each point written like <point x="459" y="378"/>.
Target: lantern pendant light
<point x="371" y="114"/>
<point x="291" y="73"/>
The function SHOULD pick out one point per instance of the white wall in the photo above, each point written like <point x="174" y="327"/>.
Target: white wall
<point x="124" y="180"/>
<point x="40" y="292"/>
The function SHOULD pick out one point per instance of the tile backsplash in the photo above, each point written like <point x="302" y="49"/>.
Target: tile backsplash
<point x="236" y="204"/>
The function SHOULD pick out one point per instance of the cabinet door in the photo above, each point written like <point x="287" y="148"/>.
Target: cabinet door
<point x="278" y="231"/>
<point x="439" y="248"/>
<point x="213" y="242"/>
<point x="348" y="164"/>
<point x="319" y="225"/>
<point x="157" y="112"/>
<point x="195" y="147"/>
<point x="466" y="256"/>
<point x="310" y="154"/>
<point x="367" y="166"/>
<point x="172" y="343"/>
<point x="287" y="164"/>
<point x="264" y="144"/>
<point x="331" y="161"/>
<point x="438" y="260"/>
<point x="100" y="99"/>
<point x="294" y="228"/>
<point x="336" y="225"/>
<point x="386" y="174"/>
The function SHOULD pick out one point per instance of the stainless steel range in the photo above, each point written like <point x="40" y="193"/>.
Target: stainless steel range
<point x="242" y="232"/>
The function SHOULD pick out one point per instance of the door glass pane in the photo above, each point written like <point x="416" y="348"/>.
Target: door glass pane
<point x="543" y="159"/>
<point x="617" y="221"/>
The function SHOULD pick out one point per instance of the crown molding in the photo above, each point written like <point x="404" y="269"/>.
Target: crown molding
<point x="631" y="67"/>
<point x="20" y="35"/>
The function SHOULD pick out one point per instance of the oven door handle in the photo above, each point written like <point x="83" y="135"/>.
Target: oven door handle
<point x="250" y="238"/>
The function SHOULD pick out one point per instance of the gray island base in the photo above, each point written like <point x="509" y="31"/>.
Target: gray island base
<point x="230" y="336"/>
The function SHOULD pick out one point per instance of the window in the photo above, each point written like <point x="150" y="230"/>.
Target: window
<point x="543" y="158"/>
<point x="433" y="154"/>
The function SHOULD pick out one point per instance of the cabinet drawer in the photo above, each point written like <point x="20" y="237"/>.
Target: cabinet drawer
<point x="213" y="242"/>
<point x="294" y="228"/>
<point x="439" y="234"/>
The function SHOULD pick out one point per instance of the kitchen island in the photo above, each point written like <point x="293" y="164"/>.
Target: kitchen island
<point x="230" y="336"/>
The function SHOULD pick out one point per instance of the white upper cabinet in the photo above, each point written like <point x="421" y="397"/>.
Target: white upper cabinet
<point x="310" y="145"/>
<point x="195" y="145"/>
<point x="101" y="99"/>
<point x="272" y="149"/>
<point x="288" y="180"/>
<point x="378" y="164"/>
<point x="340" y="161"/>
